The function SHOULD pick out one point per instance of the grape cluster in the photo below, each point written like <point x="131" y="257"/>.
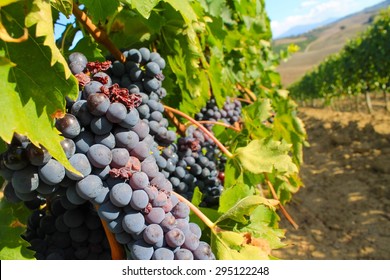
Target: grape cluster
<point x="113" y="134"/>
<point x="230" y="113"/>
<point x="200" y="163"/>
<point x="75" y="233"/>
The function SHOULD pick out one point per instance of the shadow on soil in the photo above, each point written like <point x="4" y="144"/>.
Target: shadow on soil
<point x="344" y="209"/>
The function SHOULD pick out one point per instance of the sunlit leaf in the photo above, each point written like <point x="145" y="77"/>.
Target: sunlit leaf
<point x="265" y="155"/>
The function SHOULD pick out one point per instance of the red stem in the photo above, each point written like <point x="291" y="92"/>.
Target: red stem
<point x="221" y="124"/>
<point x="181" y="128"/>
<point x="275" y="196"/>
<point x="244" y="100"/>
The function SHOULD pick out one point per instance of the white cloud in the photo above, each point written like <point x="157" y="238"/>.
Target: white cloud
<point x="309" y="3"/>
<point x="314" y="11"/>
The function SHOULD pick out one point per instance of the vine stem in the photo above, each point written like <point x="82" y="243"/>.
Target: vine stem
<point x="197" y="212"/>
<point x="275" y="196"/>
<point x="244" y="100"/>
<point x="181" y="128"/>
<point x="117" y="251"/>
<point x="218" y="123"/>
<point x="251" y="94"/>
<point x="202" y="128"/>
<point x="64" y="38"/>
<point x="99" y="35"/>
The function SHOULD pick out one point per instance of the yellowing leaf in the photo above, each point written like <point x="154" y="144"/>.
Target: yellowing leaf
<point x="265" y="155"/>
<point x="230" y="245"/>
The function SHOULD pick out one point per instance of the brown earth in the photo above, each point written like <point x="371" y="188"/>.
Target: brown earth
<point x="343" y="211"/>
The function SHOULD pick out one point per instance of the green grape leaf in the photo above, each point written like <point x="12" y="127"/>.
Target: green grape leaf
<point x="144" y="7"/>
<point x="40" y="15"/>
<point x="64" y="6"/>
<point x="265" y="155"/>
<point x="185" y="9"/>
<point x="196" y="197"/>
<point x="242" y="209"/>
<point x="33" y="93"/>
<point x="259" y="110"/>
<point x="100" y="10"/>
<point x="233" y="173"/>
<point x="232" y="195"/>
<point x="292" y="130"/>
<point x="230" y="245"/>
<point x="263" y="224"/>
<point x="12" y="224"/>
<point x="214" y="7"/>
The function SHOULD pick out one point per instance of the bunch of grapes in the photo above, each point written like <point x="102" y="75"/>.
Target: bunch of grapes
<point x="72" y="233"/>
<point x="230" y="113"/>
<point x="113" y="135"/>
<point x="200" y="163"/>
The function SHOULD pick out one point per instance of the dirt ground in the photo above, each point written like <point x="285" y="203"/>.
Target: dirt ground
<point x="343" y="212"/>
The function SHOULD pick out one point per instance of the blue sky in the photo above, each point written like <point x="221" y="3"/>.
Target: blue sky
<point x="285" y="14"/>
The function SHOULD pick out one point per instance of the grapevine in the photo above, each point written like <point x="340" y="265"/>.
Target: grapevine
<point x="360" y="68"/>
<point x="148" y="140"/>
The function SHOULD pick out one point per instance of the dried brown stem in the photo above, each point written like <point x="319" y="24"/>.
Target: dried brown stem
<point x="99" y="35"/>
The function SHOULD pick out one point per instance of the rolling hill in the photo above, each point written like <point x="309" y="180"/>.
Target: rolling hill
<point x="319" y="43"/>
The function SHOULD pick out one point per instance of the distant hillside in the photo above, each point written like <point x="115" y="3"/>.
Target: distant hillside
<point x="301" y="29"/>
<point x="319" y="43"/>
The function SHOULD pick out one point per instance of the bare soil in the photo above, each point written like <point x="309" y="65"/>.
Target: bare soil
<point x="343" y="211"/>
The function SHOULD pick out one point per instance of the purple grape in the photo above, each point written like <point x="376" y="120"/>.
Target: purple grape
<point x="175" y="238"/>
<point x="81" y="163"/>
<point x="139" y="181"/>
<point x="126" y="139"/>
<point x="153" y="234"/>
<point x="38" y="156"/>
<point x="89" y="187"/>
<point x="183" y="254"/>
<point x="52" y="172"/>
<point x="133" y="222"/>
<point x="155" y="215"/>
<point x="25" y="180"/>
<point x="120" y="194"/>
<point x="139" y="200"/>
<point x="68" y="126"/>
<point x="98" y="104"/>
<point x="116" y="113"/>
<point x="203" y="252"/>
<point x="120" y="157"/>
<point x="99" y="155"/>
